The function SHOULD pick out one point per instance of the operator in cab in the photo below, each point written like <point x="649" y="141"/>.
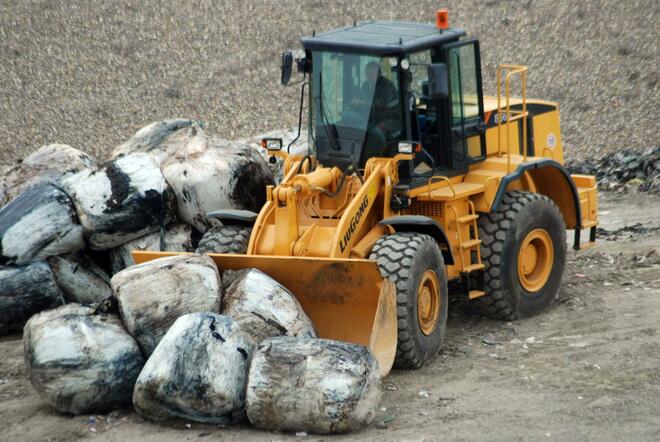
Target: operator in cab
<point x="379" y="93"/>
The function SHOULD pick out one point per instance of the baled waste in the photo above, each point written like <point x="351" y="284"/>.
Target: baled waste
<point x="80" y="361"/>
<point x="80" y="278"/>
<point x="24" y="291"/>
<point x="197" y="372"/>
<point x="313" y="385"/>
<point x="153" y="295"/>
<point x="264" y="308"/>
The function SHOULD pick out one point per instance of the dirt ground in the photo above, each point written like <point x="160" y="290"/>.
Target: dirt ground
<point x="588" y="368"/>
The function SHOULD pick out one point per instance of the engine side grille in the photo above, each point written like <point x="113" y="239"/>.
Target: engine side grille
<point x="427" y="208"/>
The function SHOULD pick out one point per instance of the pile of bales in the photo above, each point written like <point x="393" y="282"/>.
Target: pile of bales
<point x="68" y="223"/>
<point x="178" y="346"/>
<point x="173" y="337"/>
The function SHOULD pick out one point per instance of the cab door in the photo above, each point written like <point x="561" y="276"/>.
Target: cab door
<point x="466" y="132"/>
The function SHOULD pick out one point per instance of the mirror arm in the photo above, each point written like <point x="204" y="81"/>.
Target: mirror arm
<point x="300" y="113"/>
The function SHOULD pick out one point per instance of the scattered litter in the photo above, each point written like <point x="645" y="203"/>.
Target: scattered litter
<point x="601" y="402"/>
<point x="424" y="394"/>
<point x="301" y="434"/>
<point x="488" y="339"/>
<point x="648" y="259"/>
<point x="614" y="172"/>
<point x="627" y="231"/>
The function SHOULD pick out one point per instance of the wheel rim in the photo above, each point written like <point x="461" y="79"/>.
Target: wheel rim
<point x="428" y="302"/>
<point x="535" y="260"/>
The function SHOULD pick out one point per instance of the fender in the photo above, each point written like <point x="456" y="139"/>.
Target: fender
<point x="554" y="181"/>
<point x="233" y="216"/>
<point x="422" y="224"/>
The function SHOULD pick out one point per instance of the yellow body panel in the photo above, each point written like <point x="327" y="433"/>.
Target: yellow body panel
<point x="547" y="136"/>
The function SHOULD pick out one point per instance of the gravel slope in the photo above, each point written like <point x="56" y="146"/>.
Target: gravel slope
<point x="90" y="73"/>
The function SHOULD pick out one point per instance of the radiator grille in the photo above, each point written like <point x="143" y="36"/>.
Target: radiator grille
<point x="427" y="208"/>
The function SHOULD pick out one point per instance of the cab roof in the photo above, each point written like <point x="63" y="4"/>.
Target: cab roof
<point x="381" y="38"/>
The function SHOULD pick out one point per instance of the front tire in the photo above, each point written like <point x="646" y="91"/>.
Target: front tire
<point x="225" y="239"/>
<point x="414" y="264"/>
<point x="524" y="252"/>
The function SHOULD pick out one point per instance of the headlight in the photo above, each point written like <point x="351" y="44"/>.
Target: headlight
<point x="271" y="143"/>
<point x="405" y="147"/>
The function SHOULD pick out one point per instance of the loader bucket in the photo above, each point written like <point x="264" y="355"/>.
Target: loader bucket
<point x="346" y="299"/>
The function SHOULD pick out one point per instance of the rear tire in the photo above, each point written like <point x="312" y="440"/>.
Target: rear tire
<point x="414" y="264"/>
<point x="225" y="239"/>
<point x="524" y="252"/>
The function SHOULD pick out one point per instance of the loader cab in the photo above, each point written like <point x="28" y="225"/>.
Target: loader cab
<point x="371" y="89"/>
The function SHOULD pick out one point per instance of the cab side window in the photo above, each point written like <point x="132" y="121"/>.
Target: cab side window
<point x="463" y="80"/>
<point x="468" y="141"/>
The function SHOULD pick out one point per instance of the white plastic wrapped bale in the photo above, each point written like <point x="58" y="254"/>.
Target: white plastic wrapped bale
<point x="198" y="372"/>
<point x="80" y="361"/>
<point x="216" y="175"/>
<point x="24" y="291"/>
<point x="124" y="199"/>
<point x="264" y="308"/>
<point x="161" y="139"/>
<point x="80" y="278"/>
<point x="154" y="294"/>
<point x="41" y="222"/>
<point x="177" y="239"/>
<point x="314" y="385"/>
<point x="48" y="165"/>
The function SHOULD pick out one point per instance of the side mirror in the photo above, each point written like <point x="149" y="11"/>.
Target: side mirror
<point x="438" y="83"/>
<point x="287" y="64"/>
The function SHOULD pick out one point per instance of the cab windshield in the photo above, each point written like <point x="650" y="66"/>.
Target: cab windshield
<point x="357" y="110"/>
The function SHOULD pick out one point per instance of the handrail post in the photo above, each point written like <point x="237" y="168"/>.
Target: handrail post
<point x="524" y="110"/>
<point x="508" y="122"/>
<point x="499" y="114"/>
<point x="511" y="70"/>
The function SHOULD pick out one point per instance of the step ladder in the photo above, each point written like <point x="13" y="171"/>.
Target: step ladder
<point x="472" y="268"/>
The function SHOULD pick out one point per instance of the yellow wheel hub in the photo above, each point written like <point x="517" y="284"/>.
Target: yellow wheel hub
<point x="428" y="302"/>
<point x="535" y="260"/>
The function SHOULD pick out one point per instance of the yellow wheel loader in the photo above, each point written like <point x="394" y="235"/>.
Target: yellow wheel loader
<point x="413" y="178"/>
